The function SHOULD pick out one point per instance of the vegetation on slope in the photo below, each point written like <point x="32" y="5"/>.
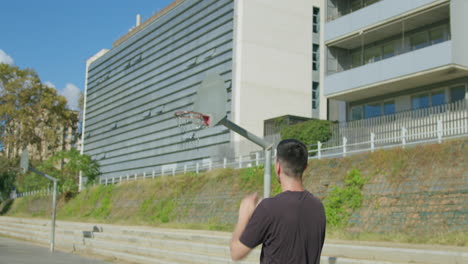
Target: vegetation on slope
<point x="385" y="195"/>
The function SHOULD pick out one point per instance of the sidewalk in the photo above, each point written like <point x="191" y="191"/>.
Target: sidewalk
<point x="20" y="252"/>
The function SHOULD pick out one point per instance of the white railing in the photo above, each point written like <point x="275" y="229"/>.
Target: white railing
<point x="405" y="136"/>
<point x="42" y="192"/>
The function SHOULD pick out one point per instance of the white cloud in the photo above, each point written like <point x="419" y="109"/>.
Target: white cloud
<point x="72" y="93"/>
<point x="5" y="58"/>
<point x="51" y="85"/>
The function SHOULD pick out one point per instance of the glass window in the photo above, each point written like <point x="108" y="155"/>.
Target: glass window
<point x="437" y="34"/>
<point x="419" y="40"/>
<point x="356" y="58"/>
<point x="355" y="5"/>
<point x="372" y="54"/>
<point x="389" y="49"/>
<point x="438" y="98"/>
<point x="420" y="101"/>
<point x="356" y="113"/>
<point x="457" y="93"/>
<point x="315" y="95"/>
<point x="372" y="110"/>
<point x="316" y="20"/>
<point x="315" y="57"/>
<point x="389" y="108"/>
<point x="370" y="2"/>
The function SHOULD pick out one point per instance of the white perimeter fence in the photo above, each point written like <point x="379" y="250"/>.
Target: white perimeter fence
<point x="421" y="126"/>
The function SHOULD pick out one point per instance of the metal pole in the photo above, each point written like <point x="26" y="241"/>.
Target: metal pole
<point x="259" y="141"/>
<point x="52" y="231"/>
<point x="267" y="175"/>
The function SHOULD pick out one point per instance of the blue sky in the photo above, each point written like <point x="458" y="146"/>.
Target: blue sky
<point x="56" y="37"/>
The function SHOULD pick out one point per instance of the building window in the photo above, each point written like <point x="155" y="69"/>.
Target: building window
<point x="315" y="95"/>
<point x="419" y="40"/>
<point x="420" y="101"/>
<point x="372" y="54"/>
<point x="438" y="98"/>
<point x="389" y="108"/>
<point x="388" y="48"/>
<point x="372" y="110"/>
<point x="457" y="93"/>
<point x="356" y="113"/>
<point x="315" y="57"/>
<point x="316" y="20"/>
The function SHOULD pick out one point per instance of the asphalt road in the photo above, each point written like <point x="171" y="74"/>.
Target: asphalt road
<point x="19" y="252"/>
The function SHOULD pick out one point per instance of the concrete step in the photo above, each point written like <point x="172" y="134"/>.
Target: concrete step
<point x="195" y="246"/>
<point x="180" y="256"/>
<point x="390" y="254"/>
<point x="179" y="245"/>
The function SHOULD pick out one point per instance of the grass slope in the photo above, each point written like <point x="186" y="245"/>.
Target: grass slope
<point x="210" y="200"/>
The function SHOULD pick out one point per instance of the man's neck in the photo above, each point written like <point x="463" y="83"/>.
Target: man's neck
<point x="291" y="184"/>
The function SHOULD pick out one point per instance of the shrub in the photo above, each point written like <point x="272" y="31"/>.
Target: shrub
<point x="341" y="202"/>
<point x="308" y="132"/>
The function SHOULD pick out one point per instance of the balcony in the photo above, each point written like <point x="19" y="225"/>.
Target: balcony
<point x="370" y="15"/>
<point x="417" y="68"/>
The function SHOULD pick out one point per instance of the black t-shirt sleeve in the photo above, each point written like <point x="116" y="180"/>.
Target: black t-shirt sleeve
<point x="256" y="231"/>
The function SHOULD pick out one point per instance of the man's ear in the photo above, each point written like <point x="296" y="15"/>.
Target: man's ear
<point x="277" y="168"/>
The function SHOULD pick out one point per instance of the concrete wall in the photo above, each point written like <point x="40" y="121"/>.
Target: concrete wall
<point x="134" y="89"/>
<point x="373" y="14"/>
<point x="273" y="62"/>
<point x="458" y="21"/>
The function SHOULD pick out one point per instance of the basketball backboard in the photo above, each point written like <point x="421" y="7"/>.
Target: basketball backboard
<point x="211" y="99"/>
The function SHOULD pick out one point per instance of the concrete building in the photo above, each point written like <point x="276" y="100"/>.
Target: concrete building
<point x="267" y="51"/>
<point x="388" y="56"/>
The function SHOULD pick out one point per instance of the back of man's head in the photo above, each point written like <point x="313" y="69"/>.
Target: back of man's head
<point x="293" y="156"/>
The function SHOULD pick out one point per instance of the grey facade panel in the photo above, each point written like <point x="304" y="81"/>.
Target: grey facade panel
<point x="157" y="71"/>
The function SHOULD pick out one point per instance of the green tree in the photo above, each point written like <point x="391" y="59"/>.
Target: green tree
<point x="31" y="114"/>
<point x="7" y="178"/>
<point x="64" y="166"/>
<point x="308" y="132"/>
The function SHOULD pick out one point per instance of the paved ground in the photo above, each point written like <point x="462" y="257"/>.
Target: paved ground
<point x="20" y="252"/>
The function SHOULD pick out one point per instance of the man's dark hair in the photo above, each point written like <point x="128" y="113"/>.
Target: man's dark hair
<point x="293" y="156"/>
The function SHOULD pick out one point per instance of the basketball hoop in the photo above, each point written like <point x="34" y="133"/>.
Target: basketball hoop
<point x="197" y="120"/>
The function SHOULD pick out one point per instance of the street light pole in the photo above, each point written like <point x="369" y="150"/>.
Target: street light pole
<point x="25" y="168"/>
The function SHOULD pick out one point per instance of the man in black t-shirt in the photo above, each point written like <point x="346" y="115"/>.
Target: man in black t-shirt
<point x="291" y="225"/>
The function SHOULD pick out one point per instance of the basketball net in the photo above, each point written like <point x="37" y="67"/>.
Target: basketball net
<point x="189" y="122"/>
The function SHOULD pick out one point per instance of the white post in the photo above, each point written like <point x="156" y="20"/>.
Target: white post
<point x="106" y="181"/>
<point x="120" y="180"/>
<point x="210" y="165"/>
<point x="240" y="162"/>
<point x="144" y="175"/>
<point x="173" y="171"/>
<point x="185" y="168"/>
<point x="128" y="177"/>
<point x="439" y="130"/>
<point x="319" y="149"/>
<point x="113" y="180"/>
<point x="136" y="177"/>
<point x="197" y="168"/>
<point x="257" y="158"/>
<point x="372" y="142"/>
<point x="345" y="140"/>
<point x="403" y="136"/>
<point x="154" y="174"/>
<point x="162" y="171"/>
<point x="224" y="163"/>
